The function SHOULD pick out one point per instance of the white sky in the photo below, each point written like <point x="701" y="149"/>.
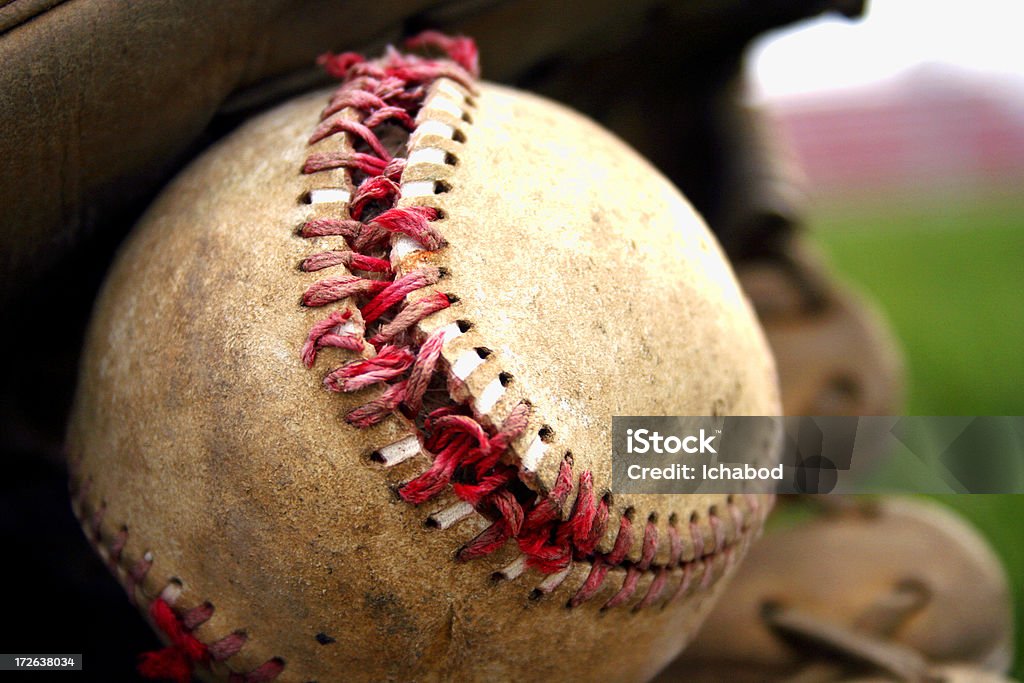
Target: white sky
<point x="985" y="36"/>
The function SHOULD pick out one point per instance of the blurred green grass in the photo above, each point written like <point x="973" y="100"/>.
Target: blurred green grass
<point x="948" y="273"/>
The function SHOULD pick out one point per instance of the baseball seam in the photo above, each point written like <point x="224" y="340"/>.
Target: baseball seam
<point x="185" y="651"/>
<point x="432" y="100"/>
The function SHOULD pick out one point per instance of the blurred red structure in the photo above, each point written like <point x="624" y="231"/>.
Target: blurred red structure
<point x="932" y="129"/>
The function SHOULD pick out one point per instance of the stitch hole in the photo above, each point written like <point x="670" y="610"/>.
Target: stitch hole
<point x="652" y="518"/>
<point x="450" y="159"/>
<point x="443" y="272"/>
<point x="673" y="519"/>
<point x="452" y="298"/>
<point x="546" y="433"/>
<point x="535" y="595"/>
<point x="466" y="117"/>
<point x="483" y="351"/>
<point x="458" y="136"/>
<point x="464" y="325"/>
<point x="694" y="518"/>
<point x="505" y="379"/>
<point x="629" y="513"/>
<point x="324" y="639"/>
<point x="440" y="187"/>
<point x="729" y="500"/>
<point x="713" y="511"/>
<point x="470" y="101"/>
<point x="439" y="215"/>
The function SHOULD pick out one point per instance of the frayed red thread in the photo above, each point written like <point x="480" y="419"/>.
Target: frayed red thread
<point x="375" y="411"/>
<point x="338" y="65"/>
<point x="603" y="563"/>
<point x="460" y="49"/>
<point x="396" y="291"/>
<point x="389" y="363"/>
<point x="330" y="227"/>
<point x="423" y="370"/>
<point x="467" y="455"/>
<point x="333" y="289"/>
<point x="356" y="129"/>
<point x="185" y="652"/>
<point x="378" y="189"/>
<point x="390" y="90"/>
<point x="588" y="520"/>
<point x="633" y="573"/>
<point x="413" y="221"/>
<point x="356" y="161"/>
<point x="176" y="661"/>
<point x="349" y="259"/>
<point x="411" y="313"/>
<point x="326" y="334"/>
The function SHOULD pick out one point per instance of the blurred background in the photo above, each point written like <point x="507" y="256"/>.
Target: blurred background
<point x="909" y="127"/>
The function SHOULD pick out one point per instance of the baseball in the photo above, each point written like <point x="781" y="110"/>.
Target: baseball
<point x="345" y="406"/>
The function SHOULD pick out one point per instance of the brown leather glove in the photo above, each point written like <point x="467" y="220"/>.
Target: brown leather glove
<point x="103" y="101"/>
<point x="892" y="589"/>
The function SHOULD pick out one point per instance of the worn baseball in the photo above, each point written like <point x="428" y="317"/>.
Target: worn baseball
<point x="345" y="407"/>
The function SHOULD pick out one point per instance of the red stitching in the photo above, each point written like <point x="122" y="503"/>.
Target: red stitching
<point x="413" y="221"/>
<point x="394" y="89"/>
<point x="349" y="259"/>
<point x="396" y="292"/>
<point x="184" y="651"/>
<point x="466" y="454"/>
<point x="389" y="363"/>
<point x="325" y="333"/>
<point x="460" y="49"/>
